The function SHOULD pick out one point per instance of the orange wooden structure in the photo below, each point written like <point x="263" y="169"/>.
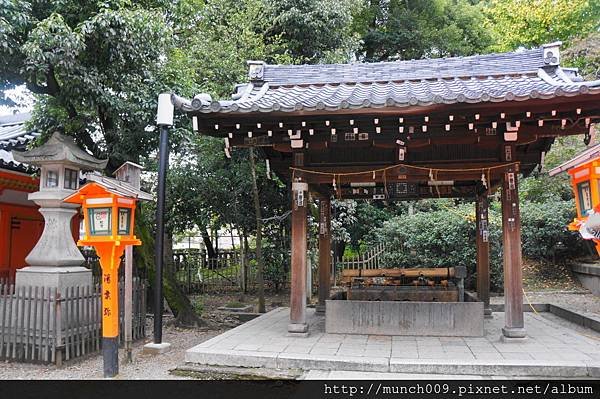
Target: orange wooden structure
<point x="21" y="224"/>
<point x="584" y="171"/>
<point x="109" y="220"/>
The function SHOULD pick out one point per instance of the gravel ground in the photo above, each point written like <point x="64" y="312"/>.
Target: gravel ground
<point x="143" y="366"/>
<point x="146" y="366"/>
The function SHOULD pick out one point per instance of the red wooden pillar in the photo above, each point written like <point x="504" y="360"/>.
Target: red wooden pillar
<point x="324" y="252"/>
<point x="483" y="252"/>
<point x="511" y="238"/>
<point x="298" y="284"/>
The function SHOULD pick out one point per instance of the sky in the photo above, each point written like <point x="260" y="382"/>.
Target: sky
<point x="21" y="96"/>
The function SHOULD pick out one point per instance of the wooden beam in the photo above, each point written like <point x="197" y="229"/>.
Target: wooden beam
<point x="298" y="322"/>
<point x="438" y="114"/>
<point x="483" y="252"/>
<point x="324" y="252"/>
<point x="482" y="136"/>
<point x="346" y="175"/>
<point x="511" y="238"/>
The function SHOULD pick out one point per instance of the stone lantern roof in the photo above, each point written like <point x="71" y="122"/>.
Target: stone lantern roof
<point x="60" y="149"/>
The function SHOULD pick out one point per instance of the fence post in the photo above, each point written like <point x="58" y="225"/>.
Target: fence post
<point x="188" y="266"/>
<point x="58" y="346"/>
<point x="127" y="301"/>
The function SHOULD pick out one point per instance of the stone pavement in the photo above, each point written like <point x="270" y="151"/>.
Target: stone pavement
<point x="550" y="350"/>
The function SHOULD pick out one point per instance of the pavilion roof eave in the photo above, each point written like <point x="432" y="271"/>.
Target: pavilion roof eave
<point x="585" y="156"/>
<point x="406" y="109"/>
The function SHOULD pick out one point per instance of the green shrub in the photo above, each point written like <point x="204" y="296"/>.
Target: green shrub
<point x="446" y="237"/>
<point x="276" y="261"/>
<point x="544" y="231"/>
<point x="439" y="238"/>
<point x="198" y="305"/>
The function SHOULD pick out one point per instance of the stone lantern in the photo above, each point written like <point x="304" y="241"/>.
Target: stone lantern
<point x="55" y="261"/>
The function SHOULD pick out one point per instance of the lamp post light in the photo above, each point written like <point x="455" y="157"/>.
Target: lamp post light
<point x="164" y="119"/>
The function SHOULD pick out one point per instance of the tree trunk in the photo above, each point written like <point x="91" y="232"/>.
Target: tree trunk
<point x="259" y="259"/>
<point x="210" y="250"/>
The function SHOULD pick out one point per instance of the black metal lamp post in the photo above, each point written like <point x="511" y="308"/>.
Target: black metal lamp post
<point x="164" y="120"/>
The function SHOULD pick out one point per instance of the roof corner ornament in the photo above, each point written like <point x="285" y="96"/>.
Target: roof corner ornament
<point x="256" y="70"/>
<point x="201" y="100"/>
<point x="552" y="53"/>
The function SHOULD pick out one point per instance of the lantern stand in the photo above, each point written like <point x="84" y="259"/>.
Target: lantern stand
<point x="109" y="220"/>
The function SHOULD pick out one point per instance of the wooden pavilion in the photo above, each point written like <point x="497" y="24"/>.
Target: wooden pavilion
<point x="450" y="127"/>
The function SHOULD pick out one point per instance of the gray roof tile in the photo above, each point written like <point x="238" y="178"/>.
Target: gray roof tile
<point x="13" y="132"/>
<point x="482" y="78"/>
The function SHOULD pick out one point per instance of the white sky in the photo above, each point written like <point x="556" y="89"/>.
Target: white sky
<point x="23" y="97"/>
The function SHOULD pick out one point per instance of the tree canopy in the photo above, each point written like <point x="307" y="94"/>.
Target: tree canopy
<point x="97" y="67"/>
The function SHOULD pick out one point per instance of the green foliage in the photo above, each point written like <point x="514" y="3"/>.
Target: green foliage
<point x="95" y="67"/>
<point x="343" y="217"/>
<point x="277" y="264"/>
<point x="438" y="238"/>
<point x="530" y="23"/>
<point x="584" y="53"/>
<point x="369" y="215"/>
<point x="446" y="237"/>
<point x="314" y="30"/>
<point x="541" y="188"/>
<point x="544" y="230"/>
<point x="400" y="29"/>
<point x="198" y="305"/>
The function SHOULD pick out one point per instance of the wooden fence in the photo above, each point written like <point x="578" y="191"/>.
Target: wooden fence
<point x="39" y="324"/>
<point x="197" y="273"/>
<point x="367" y="260"/>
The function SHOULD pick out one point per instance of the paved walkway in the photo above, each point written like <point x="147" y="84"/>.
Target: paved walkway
<point x="550" y="350"/>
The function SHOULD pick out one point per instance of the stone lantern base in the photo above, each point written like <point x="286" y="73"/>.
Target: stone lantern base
<point x="61" y="278"/>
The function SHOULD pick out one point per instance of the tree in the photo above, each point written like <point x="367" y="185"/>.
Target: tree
<point x="584" y="53"/>
<point x="530" y="23"/>
<point x="94" y="66"/>
<point x="258" y="215"/>
<point x="412" y="29"/>
<point x="314" y="31"/>
<point x="96" y="70"/>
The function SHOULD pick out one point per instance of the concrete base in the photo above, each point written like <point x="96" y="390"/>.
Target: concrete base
<point x="241" y="309"/>
<point x="110" y="356"/>
<point x="551" y="350"/>
<point x="589" y="275"/>
<point x="297" y="328"/>
<point x="512" y="332"/>
<point x="156" y="349"/>
<point x="442" y="319"/>
<point x="60" y="278"/>
<point x="509" y="340"/>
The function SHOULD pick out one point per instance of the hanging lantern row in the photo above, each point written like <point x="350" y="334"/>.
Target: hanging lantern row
<point x="409" y="126"/>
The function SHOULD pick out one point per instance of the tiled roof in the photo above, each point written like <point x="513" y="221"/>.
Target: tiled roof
<point x="60" y="148"/>
<point x="119" y="187"/>
<point x="482" y="78"/>
<point x="13" y="134"/>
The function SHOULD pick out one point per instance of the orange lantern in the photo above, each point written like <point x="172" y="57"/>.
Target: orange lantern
<point x="585" y="182"/>
<point x="109" y="220"/>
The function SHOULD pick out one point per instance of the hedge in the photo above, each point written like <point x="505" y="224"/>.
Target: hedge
<point x="446" y="237"/>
